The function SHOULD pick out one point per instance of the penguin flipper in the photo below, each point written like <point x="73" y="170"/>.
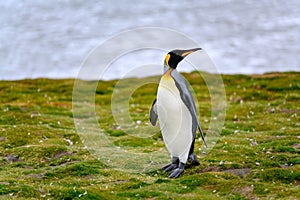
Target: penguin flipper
<point x="153" y="113"/>
<point x="188" y="100"/>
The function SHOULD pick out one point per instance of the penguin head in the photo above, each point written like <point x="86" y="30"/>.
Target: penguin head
<point x="174" y="57"/>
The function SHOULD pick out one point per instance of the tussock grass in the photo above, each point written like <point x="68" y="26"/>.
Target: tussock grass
<point x="256" y="157"/>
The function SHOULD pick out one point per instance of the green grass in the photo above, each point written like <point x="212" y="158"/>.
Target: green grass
<point x="256" y="157"/>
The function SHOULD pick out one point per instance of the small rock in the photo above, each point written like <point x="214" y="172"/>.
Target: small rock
<point x="11" y="158"/>
<point x="42" y="191"/>
<point x="253" y="143"/>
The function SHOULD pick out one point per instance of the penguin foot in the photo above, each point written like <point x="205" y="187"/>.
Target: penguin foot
<point x="193" y="161"/>
<point x="170" y="167"/>
<point x="178" y="171"/>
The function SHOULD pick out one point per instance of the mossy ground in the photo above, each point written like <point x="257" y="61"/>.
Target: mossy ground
<point x="257" y="156"/>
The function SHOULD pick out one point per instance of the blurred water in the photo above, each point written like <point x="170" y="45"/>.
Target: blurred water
<point x="52" y="38"/>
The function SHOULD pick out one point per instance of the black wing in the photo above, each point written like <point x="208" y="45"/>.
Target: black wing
<point x="153" y="113"/>
<point x="188" y="100"/>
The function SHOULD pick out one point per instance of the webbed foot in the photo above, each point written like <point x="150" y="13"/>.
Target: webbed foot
<point x="192" y="160"/>
<point x="178" y="171"/>
<point x="171" y="166"/>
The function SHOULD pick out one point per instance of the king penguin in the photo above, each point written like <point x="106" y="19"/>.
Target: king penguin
<point x="175" y="109"/>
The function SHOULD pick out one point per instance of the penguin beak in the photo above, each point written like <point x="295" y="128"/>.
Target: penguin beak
<point x="187" y="52"/>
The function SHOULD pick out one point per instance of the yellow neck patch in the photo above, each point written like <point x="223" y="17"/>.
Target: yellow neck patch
<point x="167" y="75"/>
<point x="167" y="59"/>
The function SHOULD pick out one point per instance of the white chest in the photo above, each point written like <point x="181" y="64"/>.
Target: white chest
<point x="174" y="118"/>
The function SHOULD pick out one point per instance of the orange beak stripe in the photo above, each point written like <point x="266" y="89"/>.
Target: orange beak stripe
<point x="186" y="53"/>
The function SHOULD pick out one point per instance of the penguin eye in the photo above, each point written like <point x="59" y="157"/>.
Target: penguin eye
<point x="167" y="59"/>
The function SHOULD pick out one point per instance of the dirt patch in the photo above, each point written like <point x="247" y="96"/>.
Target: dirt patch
<point x="59" y="155"/>
<point x="60" y="104"/>
<point x="289" y="111"/>
<point x="296" y="146"/>
<point x="211" y="169"/>
<point x="238" y="172"/>
<point x="90" y="176"/>
<point x="37" y="176"/>
<point x="2" y="139"/>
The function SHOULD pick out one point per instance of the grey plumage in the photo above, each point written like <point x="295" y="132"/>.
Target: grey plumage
<point x="188" y="100"/>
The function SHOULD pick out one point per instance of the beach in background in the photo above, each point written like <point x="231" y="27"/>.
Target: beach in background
<point x="52" y="39"/>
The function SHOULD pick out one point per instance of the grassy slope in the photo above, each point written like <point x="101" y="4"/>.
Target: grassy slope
<point x="256" y="157"/>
